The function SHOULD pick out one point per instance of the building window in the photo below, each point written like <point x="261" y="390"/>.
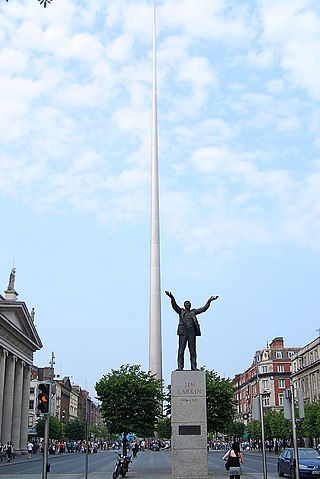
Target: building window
<point x="32" y="390"/>
<point x="280" y="369"/>
<point x="281" y="383"/>
<point x="280" y="399"/>
<point x="279" y="354"/>
<point x="30" y="421"/>
<point x="264" y="369"/>
<point x="265" y="384"/>
<point x="311" y="358"/>
<point x="31" y="404"/>
<point x="266" y="401"/>
<point x="290" y="353"/>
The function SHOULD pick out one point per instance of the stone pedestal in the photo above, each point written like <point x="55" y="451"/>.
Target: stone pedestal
<point x="189" y="425"/>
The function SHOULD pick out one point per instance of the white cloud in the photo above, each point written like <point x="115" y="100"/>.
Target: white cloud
<point x="207" y="19"/>
<point x="275" y="86"/>
<point x="293" y="28"/>
<point x="261" y="59"/>
<point x="198" y="71"/>
<point x="76" y="97"/>
<point x="119" y="50"/>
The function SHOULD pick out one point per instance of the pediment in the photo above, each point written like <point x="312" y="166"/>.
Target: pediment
<point x="16" y="320"/>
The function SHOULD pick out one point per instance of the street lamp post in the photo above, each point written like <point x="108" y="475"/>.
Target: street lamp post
<point x="263" y="441"/>
<point x="87" y="440"/>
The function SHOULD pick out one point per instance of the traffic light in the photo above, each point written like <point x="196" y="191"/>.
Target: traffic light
<point x="43" y="398"/>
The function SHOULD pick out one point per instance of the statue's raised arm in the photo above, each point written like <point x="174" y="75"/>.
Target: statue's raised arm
<point x="168" y="293"/>
<point x="213" y="298"/>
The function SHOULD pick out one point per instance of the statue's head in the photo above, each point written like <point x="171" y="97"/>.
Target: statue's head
<point x="187" y="304"/>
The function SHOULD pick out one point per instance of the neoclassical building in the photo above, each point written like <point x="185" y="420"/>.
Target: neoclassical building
<point x="18" y="341"/>
<point x="306" y="371"/>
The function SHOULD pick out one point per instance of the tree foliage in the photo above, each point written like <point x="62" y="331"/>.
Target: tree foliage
<point x="75" y="430"/>
<point x="99" y="431"/>
<point x="163" y="428"/>
<point x="310" y="426"/>
<point x="131" y="400"/>
<point x="254" y="430"/>
<point x="220" y="403"/>
<point x="236" y="430"/>
<point x="277" y="427"/>
<point x="55" y="428"/>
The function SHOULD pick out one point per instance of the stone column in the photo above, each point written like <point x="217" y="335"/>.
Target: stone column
<point x="25" y="407"/>
<point x="3" y="358"/>
<point x="16" y="413"/>
<point x="8" y="399"/>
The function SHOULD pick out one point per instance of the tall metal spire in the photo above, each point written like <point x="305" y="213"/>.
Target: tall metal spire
<point x="155" y="341"/>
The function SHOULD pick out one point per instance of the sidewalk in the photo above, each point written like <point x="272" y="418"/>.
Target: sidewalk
<point x="21" y="458"/>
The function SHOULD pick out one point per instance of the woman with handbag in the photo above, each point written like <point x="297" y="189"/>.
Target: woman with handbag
<point x="234" y="459"/>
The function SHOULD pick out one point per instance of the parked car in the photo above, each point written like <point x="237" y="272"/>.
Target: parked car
<point x="309" y="462"/>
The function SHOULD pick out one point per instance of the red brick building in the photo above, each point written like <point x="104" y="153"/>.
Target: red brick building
<point x="268" y="375"/>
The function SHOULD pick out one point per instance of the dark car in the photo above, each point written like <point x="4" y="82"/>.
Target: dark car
<point x="309" y="462"/>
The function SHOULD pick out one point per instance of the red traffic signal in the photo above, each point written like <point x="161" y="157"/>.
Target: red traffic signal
<point x="43" y="398"/>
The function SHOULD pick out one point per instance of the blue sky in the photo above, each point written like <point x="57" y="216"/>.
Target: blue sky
<point x="239" y="165"/>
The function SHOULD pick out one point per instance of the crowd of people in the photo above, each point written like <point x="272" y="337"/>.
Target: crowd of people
<point x="275" y="446"/>
<point x="59" y="447"/>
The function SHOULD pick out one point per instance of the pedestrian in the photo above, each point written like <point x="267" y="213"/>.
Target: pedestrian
<point x="135" y="449"/>
<point x="29" y="449"/>
<point x="8" y="449"/>
<point x="235" y="458"/>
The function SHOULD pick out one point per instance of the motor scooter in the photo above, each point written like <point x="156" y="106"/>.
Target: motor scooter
<point x="122" y="465"/>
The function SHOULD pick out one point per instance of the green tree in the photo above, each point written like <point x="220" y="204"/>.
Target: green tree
<point x="75" y="430"/>
<point x="275" y="424"/>
<point x="99" y="431"/>
<point x="220" y="403"/>
<point x="254" y="430"/>
<point x="163" y="427"/>
<point x="131" y="401"/>
<point x="236" y="430"/>
<point x="55" y="428"/>
<point x="310" y="426"/>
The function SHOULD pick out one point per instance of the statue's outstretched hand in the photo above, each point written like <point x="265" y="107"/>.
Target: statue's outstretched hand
<point x="168" y="293"/>
<point x="213" y="298"/>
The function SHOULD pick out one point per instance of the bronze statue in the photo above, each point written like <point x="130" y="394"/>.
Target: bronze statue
<point x="188" y="329"/>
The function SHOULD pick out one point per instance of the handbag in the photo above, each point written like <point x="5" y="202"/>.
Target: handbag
<point x="227" y="464"/>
